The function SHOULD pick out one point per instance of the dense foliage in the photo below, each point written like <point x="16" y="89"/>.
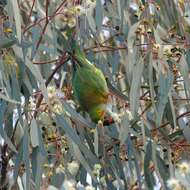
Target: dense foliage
<point x="48" y="141"/>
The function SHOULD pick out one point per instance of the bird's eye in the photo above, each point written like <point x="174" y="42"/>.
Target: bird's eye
<point x="101" y="113"/>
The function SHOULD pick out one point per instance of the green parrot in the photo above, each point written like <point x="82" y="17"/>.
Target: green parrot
<point x="90" y="87"/>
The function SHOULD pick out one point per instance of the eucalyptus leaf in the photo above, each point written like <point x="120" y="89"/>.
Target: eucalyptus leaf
<point x="34" y="133"/>
<point x="16" y="11"/>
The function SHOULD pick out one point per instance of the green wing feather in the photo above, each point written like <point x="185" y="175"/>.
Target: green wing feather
<point x="89" y="86"/>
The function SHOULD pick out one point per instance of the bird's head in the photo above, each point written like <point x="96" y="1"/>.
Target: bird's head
<point x="97" y="113"/>
<point x="100" y="112"/>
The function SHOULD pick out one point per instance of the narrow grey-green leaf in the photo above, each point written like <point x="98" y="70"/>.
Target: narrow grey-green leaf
<point x="34" y="70"/>
<point x="77" y="117"/>
<point x="82" y="160"/>
<point x="150" y="181"/>
<point x="68" y="129"/>
<point x="183" y="68"/>
<point x="4" y="97"/>
<point x="135" y="87"/>
<point x="99" y="14"/>
<point x="16" y="12"/>
<point x="18" y="161"/>
<point x="34" y="133"/>
<point x="26" y="158"/>
<point x="61" y="121"/>
<point x="132" y="154"/>
<point x="6" y="43"/>
<point x="185" y="128"/>
<point x="165" y="82"/>
<point x="91" y="20"/>
<point x="37" y="166"/>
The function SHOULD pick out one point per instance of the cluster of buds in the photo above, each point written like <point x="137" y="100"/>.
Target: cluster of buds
<point x="54" y="100"/>
<point x="71" y="13"/>
<point x="73" y="167"/>
<point x="182" y="176"/>
<point x="174" y="184"/>
<point x="139" y="8"/>
<point x="97" y="169"/>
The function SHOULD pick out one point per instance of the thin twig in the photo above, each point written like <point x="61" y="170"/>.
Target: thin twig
<point x="33" y="3"/>
<point x="167" y="123"/>
<point x="46" y="17"/>
<point x="45" y="62"/>
<point x="44" y="28"/>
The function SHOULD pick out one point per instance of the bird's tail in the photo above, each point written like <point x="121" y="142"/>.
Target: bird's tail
<point x="80" y="56"/>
